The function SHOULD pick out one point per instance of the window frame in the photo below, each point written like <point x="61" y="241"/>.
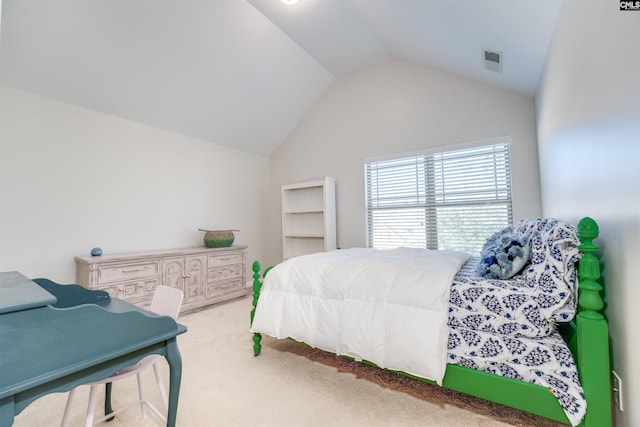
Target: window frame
<point x="438" y="156"/>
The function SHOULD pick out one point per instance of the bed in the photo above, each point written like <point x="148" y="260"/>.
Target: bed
<point x="535" y="342"/>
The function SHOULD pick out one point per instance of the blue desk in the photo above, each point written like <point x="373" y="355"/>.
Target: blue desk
<point x="56" y="337"/>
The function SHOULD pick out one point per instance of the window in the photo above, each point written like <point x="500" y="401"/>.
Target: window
<point x="439" y="200"/>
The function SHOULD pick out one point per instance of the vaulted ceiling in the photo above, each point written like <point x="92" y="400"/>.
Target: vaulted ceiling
<point x="242" y="73"/>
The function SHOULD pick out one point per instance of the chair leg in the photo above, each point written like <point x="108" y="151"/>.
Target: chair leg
<point x="107" y="400"/>
<point x="163" y="391"/>
<point x="141" y="393"/>
<point x="67" y="409"/>
<point x="91" y="409"/>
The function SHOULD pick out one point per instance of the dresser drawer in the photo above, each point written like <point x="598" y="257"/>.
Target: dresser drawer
<point x="233" y="258"/>
<point x="221" y="288"/>
<point x="126" y="272"/>
<point x="135" y="291"/>
<point x="225" y="272"/>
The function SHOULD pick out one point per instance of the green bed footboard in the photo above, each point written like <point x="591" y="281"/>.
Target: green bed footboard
<point x="587" y="337"/>
<point x="592" y="332"/>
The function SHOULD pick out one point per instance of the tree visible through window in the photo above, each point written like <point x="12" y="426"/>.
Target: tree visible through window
<point x="439" y="200"/>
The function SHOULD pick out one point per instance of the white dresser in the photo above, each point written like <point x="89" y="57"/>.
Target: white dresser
<point x="205" y="275"/>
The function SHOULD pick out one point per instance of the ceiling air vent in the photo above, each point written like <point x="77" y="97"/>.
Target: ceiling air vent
<point x="492" y="60"/>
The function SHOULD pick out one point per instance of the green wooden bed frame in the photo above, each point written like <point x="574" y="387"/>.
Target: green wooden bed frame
<point x="587" y="337"/>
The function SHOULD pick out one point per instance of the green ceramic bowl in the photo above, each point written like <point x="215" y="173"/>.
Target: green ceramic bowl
<point x="218" y="238"/>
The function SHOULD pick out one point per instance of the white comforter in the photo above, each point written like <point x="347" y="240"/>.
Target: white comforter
<point x="385" y="306"/>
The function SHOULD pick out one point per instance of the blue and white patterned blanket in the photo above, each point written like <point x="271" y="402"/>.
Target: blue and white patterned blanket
<point x="507" y="327"/>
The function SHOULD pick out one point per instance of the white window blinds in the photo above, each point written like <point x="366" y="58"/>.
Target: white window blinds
<point x="445" y="200"/>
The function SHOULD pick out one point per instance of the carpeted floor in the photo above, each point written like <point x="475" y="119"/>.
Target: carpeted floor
<point x="289" y="384"/>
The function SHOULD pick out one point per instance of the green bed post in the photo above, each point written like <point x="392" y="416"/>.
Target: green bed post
<point x="257" y="284"/>
<point x="593" y="332"/>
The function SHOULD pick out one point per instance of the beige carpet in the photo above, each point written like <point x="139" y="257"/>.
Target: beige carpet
<point x="289" y="384"/>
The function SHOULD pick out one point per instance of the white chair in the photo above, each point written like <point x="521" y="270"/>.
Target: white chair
<point x="167" y="302"/>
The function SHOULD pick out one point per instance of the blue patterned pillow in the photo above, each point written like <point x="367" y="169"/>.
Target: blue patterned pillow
<point x="504" y="254"/>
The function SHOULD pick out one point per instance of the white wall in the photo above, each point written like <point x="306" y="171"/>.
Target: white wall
<point x="73" y="179"/>
<point x="397" y="107"/>
<point x="588" y="109"/>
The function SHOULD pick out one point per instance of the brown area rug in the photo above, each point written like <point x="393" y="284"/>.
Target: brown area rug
<point x="419" y="389"/>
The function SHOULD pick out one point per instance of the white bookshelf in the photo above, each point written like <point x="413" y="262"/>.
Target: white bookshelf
<point x="308" y="217"/>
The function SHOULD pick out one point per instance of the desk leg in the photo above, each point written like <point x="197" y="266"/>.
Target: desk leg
<point x="7" y="408"/>
<point x="175" y="376"/>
